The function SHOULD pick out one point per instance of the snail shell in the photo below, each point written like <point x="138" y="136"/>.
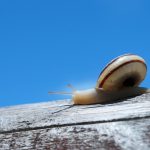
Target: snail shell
<point x="125" y="71"/>
<point x="118" y="80"/>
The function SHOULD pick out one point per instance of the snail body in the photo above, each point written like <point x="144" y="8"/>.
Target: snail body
<point x="94" y="96"/>
<point x="118" y="80"/>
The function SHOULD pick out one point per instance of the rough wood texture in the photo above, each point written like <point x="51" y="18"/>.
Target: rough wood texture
<point x="60" y="125"/>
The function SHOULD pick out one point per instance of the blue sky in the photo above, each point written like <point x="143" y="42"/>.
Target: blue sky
<point x="44" y="45"/>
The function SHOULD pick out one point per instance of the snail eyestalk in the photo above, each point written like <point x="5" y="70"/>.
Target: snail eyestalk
<point x="72" y="88"/>
<point x="118" y="80"/>
<point x="60" y="93"/>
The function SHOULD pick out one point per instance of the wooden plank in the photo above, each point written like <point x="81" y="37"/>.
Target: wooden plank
<point x="120" y="135"/>
<point x="63" y="113"/>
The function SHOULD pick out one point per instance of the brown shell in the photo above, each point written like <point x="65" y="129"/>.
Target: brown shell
<point x="125" y="71"/>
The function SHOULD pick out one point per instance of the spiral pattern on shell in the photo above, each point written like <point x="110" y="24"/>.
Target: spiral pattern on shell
<point x="127" y="70"/>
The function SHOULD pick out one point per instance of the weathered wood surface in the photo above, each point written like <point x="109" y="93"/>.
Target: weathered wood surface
<point x="125" y="135"/>
<point x="60" y="125"/>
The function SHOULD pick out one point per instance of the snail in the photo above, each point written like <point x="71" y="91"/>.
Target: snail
<point x="120" y="79"/>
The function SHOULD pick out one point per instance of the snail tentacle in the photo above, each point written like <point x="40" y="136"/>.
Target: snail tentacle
<point x="120" y="79"/>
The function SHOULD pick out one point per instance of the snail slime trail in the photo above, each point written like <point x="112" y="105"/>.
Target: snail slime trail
<point x="118" y="80"/>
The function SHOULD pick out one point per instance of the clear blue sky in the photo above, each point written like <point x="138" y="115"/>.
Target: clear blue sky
<point x="44" y="45"/>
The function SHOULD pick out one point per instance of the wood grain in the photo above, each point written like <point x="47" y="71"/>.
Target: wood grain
<point x="122" y="135"/>
<point x="63" y="113"/>
<point x="60" y="125"/>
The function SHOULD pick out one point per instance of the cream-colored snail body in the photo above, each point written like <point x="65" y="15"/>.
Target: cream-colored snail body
<point x="118" y="80"/>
